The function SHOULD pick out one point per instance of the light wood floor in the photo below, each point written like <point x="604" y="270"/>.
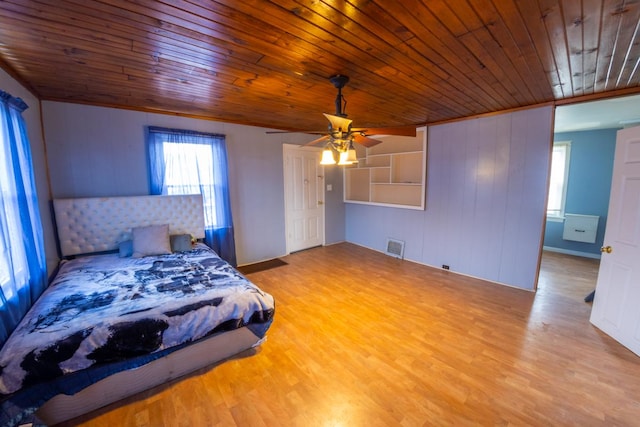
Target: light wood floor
<point x="362" y="339"/>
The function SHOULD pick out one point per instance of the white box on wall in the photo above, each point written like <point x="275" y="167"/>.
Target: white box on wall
<point x="580" y="228"/>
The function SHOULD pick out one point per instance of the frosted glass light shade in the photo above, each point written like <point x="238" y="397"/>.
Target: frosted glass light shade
<point x="344" y="158"/>
<point x="327" y="158"/>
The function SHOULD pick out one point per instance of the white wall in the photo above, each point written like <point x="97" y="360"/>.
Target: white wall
<point x="97" y="151"/>
<point x="486" y="195"/>
<point x="34" y="129"/>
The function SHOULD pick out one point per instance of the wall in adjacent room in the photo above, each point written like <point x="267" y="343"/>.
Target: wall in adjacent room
<point x="97" y="151"/>
<point x="588" y="187"/>
<point x="486" y="195"/>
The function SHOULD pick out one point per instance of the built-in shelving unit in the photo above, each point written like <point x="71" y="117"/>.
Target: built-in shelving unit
<point x="390" y="174"/>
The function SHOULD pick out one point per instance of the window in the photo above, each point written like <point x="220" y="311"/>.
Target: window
<point x="559" y="179"/>
<point x="189" y="162"/>
<point x="22" y="262"/>
<point x="189" y="170"/>
<point x="13" y="260"/>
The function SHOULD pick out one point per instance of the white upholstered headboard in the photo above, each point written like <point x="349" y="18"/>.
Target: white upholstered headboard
<point x="96" y="224"/>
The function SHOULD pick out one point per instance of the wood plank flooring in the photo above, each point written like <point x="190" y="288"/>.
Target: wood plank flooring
<point x="363" y="339"/>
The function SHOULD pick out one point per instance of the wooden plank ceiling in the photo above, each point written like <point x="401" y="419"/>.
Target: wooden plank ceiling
<point x="267" y="63"/>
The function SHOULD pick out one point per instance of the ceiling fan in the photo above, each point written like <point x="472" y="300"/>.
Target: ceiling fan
<point x="341" y="135"/>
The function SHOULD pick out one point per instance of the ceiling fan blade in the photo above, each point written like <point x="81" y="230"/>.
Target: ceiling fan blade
<point x="311" y="132"/>
<point x="315" y="141"/>
<point x="365" y="140"/>
<point x="396" y="130"/>
<point x="338" y="122"/>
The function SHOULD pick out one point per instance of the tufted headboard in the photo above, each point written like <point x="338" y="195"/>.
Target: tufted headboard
<point x="97" y="224"/>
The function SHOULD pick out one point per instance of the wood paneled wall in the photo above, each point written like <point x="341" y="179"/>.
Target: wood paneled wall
<point x="486" y="195"/>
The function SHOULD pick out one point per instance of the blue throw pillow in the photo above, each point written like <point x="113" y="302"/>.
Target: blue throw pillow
<point x="125" y="248"/>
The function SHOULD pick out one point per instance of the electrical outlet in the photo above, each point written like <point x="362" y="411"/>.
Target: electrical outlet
<point x="445" y="266"/>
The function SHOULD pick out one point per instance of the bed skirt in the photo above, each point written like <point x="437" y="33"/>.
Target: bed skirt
<point x="116" y="387"/>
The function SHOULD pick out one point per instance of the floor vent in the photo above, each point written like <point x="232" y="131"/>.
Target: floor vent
<point x="395" y="248"/>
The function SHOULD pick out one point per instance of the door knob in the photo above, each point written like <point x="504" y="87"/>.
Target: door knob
<point x="607" y="249"/>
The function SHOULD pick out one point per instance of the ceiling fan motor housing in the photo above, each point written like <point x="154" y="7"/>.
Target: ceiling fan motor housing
<point x="339" y="81"/>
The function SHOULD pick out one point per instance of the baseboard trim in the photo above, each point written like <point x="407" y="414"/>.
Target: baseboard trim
<point x="448" y="271"/>
<point x="569" y="252"/>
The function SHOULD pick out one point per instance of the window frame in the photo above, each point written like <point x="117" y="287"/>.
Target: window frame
<point x="559" y="215"/>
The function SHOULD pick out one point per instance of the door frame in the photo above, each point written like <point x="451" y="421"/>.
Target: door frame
<point x="286" y="148"/>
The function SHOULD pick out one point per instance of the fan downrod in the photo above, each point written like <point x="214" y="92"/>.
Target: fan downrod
<point x="339" y="81"/>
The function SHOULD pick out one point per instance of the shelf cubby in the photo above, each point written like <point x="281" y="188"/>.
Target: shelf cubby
<point x="392" y="173"/>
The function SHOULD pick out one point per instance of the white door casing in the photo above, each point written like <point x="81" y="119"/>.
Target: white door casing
<point x="304" y="197"/>
<point x="617" y="298"/>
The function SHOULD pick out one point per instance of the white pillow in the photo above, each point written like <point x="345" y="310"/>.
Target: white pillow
<point x="151" y="240"/>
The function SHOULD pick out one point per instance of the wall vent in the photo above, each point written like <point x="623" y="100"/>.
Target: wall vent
<point x="395" y="248"/>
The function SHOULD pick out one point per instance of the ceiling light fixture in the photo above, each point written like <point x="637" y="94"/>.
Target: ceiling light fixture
<point x="340" y="139"/>
<point x="341" y="136"/>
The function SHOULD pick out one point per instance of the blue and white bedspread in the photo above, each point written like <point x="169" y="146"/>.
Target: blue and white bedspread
<point x="104" y="309"/>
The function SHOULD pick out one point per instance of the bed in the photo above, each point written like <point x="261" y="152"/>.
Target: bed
<point x="140" y="303"/>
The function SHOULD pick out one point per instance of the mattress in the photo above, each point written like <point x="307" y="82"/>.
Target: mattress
<point x="103" y="314"/>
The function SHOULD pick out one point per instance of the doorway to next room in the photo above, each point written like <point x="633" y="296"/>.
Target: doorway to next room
<point x="580" y="186"/>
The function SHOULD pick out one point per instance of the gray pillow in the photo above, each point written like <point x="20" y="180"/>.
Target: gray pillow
<point x="181" y="242"/>
<point x="151" y="240"/>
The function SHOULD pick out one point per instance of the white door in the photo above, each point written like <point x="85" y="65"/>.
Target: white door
<point x="617" y="299"/>
<point x="304" y="197"/>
